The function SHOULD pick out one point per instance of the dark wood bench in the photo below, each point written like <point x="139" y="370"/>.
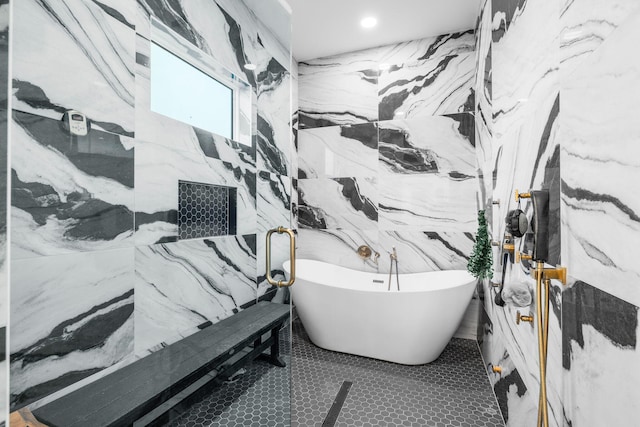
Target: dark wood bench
<point x="144" y="392"/>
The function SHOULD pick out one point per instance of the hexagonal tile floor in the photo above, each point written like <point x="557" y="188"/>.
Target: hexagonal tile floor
<point x="452" y="391"/>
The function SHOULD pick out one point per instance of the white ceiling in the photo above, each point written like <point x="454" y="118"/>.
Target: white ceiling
<point x="329" y="27"/>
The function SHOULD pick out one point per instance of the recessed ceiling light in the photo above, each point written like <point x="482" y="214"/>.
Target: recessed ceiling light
<point x="399" y="113"/>
<point x="250" y="67"/>
<point x="369" y="22"/>
<point x="384" y="66"/>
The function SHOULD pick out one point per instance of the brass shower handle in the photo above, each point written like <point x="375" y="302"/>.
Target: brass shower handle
<point x="520" y="256"/>
<point x="292" y="257"/>
<point x="522" y="318"/>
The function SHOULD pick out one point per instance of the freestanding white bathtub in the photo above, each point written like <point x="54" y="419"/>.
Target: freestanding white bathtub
<point x="345" y="310"/>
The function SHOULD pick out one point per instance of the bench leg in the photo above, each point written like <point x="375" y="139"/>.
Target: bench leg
<point x="274" y="356"/>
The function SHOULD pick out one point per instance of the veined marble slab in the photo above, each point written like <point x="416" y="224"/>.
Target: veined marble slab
<point x="182" y="286"/>
<point x="436" y="144"/>
<point x="435" y="85"/>
<point x="338" y="151"/>
<point x="158" y="170"/>
<point x="427" y="202"/>
<point x="601" y="355"/>
<point x="71" y="316"/>
<point x="339" y="247"/>
<point x="420" y="251"/>
<point x="69" y="194"/>
<point x="89" y="49"/>
<point x="273" y="201"/>
<point x="585" y="25"/>
<point x="349" y="203"/>
<point x="336" y="98"/>
<point x="600" y="169"/>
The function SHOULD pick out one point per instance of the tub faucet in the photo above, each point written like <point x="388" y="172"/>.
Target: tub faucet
<point x="393" y="257"/>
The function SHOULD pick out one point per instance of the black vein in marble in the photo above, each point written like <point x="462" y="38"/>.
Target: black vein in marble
<point x="170" y="13"/>
<point x="442" y="40"/>
<point x="392" y="102"/>
<point x="272" y="77"/>
<point x="583" y="304"/>
<point x="43" y="389"/>
<point x="581" y="194"/>
<point x="398" y="152"/>
<point x="274" y="158"/>
<point x="94" y="219"/>
<point x="446" y="244"/>
<point x="351" y="191"/>
<point x="235" y="39"/>
<point x="365" y="133"/>
<point x="65" y="338"/>
<point x="114" y="14"/>
<point x="277" y="187"/>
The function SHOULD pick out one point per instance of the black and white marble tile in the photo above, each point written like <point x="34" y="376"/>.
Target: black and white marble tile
<point x="440" y="82"/>
<point x="585" y="25"/>
<point x="229" y="38"/>
<point x="69" y="193"/>
<point x="339" y="247"/>
<point x="273" y="201"/>
<point x="184" y="286"/>
<point x="89" y="49"/>
<point x="349" y="203"/>
<point x="599" y="133"/>
<point x="601" y="357"/>
<point x="273" y="141"/>
<point x="438" y="47"/>
<point x="334" y="97"/>
<point x="427" y="202"/>
<point x="437" y="144"/>
<point x="420" y="251"/>
<point x="158" y="170"/>
<point x="338" y="151"/>
<point x="517" y="403"/>
<point x="71" y="316"/>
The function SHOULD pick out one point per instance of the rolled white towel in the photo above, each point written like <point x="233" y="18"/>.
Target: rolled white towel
<point x="517" y="293"/>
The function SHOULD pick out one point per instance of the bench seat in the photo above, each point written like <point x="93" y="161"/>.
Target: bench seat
<point x="128" y="394"/>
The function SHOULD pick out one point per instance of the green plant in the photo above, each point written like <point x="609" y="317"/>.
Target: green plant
<point x="481" y="260"/>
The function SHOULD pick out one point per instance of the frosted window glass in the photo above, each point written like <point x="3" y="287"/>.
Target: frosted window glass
<point x="182" y="92"/>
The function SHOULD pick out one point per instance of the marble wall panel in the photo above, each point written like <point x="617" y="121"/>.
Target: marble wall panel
<point x="437" y="144"/>
<point x="336" y="98"/>
<point x="349" y="203"/>
<point x="600" y="132"/>
<point x="184" y="286"/>
<point x="420" y="251"/>
<point x="338" y="151"/>
<point x="427" y="202"/>
<point x="69" y="194"/>
<point x="436" y="84"/>
<point x="339" y="247"/>
<point x="158" y="170"/>
<point x="601" y="357"/>
<point x="71" y="316"/>
<point x="273" y="201"/>
<point x="98" y="43"/>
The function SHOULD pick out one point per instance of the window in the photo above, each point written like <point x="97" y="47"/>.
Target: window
<point x="185" y="93"/>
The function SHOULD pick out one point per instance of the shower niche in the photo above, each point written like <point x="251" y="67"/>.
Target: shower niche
<point x="206" y="210"/>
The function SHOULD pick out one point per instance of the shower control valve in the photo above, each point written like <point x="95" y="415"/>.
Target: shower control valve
<point x="520" y="256"/>
<point x="520" y="195"/>
<point x="522" y="318"/>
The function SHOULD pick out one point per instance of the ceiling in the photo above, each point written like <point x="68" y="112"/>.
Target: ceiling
<point x="329" y="27"/>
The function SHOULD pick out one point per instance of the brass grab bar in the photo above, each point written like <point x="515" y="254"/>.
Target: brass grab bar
<point x="292" y="257"/>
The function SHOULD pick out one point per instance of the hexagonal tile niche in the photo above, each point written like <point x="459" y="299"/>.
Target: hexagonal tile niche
<point x="205" y="210"/>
